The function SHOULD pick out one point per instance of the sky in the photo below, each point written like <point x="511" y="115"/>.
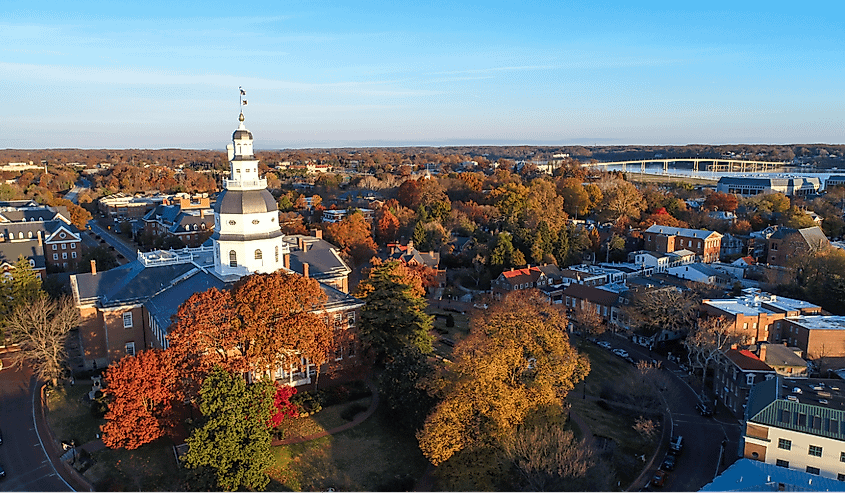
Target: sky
<point x="158" y="75"/>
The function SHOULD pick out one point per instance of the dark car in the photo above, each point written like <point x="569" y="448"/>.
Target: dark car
<point x="668" y="463"/>
<point x="676" y="444"/>
<point x="2" y="472"/>
<point x="1" y="432"/>
<point x="703" y="409"/>
<point x="659" y="478"/>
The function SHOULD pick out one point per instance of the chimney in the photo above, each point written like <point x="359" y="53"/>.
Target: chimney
<point x="40" y="242"/>
<point x="286" y="260"/>
<point x="410" y="246"/>
<point x="763" y="352"/>
<point x="202" y="213"/>
<point x="734" y="346"/>
<point x="93" y="267"/>
<point x="305" y="270"/>
<point x="299" y="243"/>
<point x="317" y="233"/>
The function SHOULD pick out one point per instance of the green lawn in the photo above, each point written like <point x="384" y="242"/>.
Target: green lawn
<point x="69" y="416"/>
<point x="611" y="380"/>
<point x="455" y="333"/>
<point x="324" y="420"/>
<point x="151" y="467"/>
<point x="372" y="456"/>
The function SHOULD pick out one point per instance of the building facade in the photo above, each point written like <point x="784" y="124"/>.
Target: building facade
<point x="706" y="245"/>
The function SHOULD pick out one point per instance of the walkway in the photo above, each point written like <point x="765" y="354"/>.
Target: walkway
<point x="359" y="418"/>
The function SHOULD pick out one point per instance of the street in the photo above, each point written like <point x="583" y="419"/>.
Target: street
<point x="111" y="239"/>
<point x="22" y="453"/>
<point x="699" y="460"/>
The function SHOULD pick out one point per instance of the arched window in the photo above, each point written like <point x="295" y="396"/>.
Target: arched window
<point x="258" y="255"/>
<point x="29" y="234"/>
<point x="277" y="254"/>
<point x="20" y="235"/>
<point x="233" y="258"/>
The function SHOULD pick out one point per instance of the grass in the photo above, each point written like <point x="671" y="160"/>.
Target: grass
<point x="456" y="333"/>
<point x="619" y="395"/>
<point x="69" y="416"/>
<point x="151" y="467"/>
<point x="372" y="456"/>
<point x="328" y="418"/>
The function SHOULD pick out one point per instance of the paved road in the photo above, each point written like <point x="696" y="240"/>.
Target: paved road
<point x="699" y="461"/>
<point x="23" y="454"/>
<point x="123" y="248"/>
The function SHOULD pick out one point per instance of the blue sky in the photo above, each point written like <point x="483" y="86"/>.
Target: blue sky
<point x="334" y="74"/>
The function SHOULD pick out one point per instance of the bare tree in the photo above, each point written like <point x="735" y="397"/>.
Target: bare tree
<point x="41" y="329"/>
<point x="588" y="319"/>
<point x="654" y="310"/>
<point x="708" y="339"/>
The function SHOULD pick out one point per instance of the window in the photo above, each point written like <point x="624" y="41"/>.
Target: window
<point x="782" y="463"/>
<point x="127" y="320"/>
<point x="749" y="379"/>
<point x="55" y="256"/>
<point x="130" y="348"/>
<point x="64" y="255"/>
<point x="55" y="247"/>
<point x="350" y="351"/>
<point x="20" y="235"/>
<point x="774" y="247"/>
<point x="338" y="317"/>
<point x="817" y="422"/>
<point x="255" y="221"/>
<point x="785" y="444"/>
<point x="813" y="470"/>
<point x="350" y="319"/>
<point x="841" y="456"/>
<point x="233" y="258"/>
<point x="31" y="263"/>
<point x="64" y="246"/>
<point x="815" y="451"/>
<point x="840" y="477"/>
<point x="277" y="254"/>
<point x="802" y="419"/>
<point x="232" y="222"/>
<point x="73" y="254"/>
<point x="258" y="255"/>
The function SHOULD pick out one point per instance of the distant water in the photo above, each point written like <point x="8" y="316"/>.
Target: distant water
<point x="657" y="170"/>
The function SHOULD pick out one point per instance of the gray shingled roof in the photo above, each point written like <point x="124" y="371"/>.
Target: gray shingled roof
<point x="320" y="255"/>
<point x="127" y="283"/>
<point x="10" y="251"/>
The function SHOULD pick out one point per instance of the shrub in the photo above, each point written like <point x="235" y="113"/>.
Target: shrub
<point x="351" y="411"/>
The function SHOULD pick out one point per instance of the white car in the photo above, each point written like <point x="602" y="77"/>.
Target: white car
<point x="604" y="344"/>
<point x="621" y="353"/>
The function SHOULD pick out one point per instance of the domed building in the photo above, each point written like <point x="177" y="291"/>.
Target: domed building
<point x="246" y="238"/>
<point x="129" y="308"/>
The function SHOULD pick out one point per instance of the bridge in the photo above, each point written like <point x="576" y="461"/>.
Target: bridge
<point x="713" y="164"/>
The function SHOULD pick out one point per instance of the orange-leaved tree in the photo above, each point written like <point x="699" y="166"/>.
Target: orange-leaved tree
<point x="141" y="391"/>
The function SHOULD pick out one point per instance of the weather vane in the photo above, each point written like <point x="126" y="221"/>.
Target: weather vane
<point x="243" y="101"/>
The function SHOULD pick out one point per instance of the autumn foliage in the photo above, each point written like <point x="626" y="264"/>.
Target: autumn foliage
<point x="141" y="393"/>
<point x="282" y="406"/>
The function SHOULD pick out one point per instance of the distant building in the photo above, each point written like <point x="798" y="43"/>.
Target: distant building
<point x="41" y="234"/>
<point x="189" y="218"/>
<point x="526" y="278"/>
<point x="664" y="239"/>
<point x="818" y="336"/>
<point x="787" y="243"/>
<point x="751" y="185"/>
<point x="798" y="425"/>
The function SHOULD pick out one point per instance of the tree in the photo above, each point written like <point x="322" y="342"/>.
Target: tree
<point x="282" y="406"/>
<point x="101" y="255"/>
<point x="548" y="458"/>
<point x="353" y="236"/>
<point x="19" y="288"/>
<point x="403" y="388"/>
<point x="516" y="360"/>
<point x="41" y="329"/>
<point x="652" y="311"/>
<point x="393" y="317"/>
<point x="140" y="391"/>
<point x="261" y="321"/>
<point x="79" y="217"/>
<point x="622" y="199"/>
<point x="387" y="225"/>
<point x="709" y="338"/>
<point x="233" y="439"/>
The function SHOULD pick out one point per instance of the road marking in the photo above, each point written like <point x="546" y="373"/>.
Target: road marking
<point x="35" y="424"/>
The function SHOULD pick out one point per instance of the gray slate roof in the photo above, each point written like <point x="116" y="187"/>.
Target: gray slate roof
<point x="10" y="251"/>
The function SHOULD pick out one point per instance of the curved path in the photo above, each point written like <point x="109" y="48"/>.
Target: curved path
<point x="359" y="418"/>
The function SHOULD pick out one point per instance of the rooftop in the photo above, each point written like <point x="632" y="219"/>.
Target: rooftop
<point x="820" y="322"/>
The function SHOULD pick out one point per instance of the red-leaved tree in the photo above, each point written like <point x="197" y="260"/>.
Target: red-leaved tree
<point x="283" y="407"/>
<point x="141" y="392"/>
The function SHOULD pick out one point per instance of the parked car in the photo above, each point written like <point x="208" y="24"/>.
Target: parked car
<point x="659" y="478"/>
<point x="668" y="463"/>
<point x="604" y="344"/>
<point x="703" y="409"/>
<point x="621" y="353"/>
<point x="630" y="360"/>
<point x="2" y="472"/>
<point x="676" y="444"/>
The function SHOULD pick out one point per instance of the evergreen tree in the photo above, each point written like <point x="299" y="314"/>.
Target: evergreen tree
<point x="232" y="442"/>
<point x="20" y="289"/>
<point x="393" y="316"/>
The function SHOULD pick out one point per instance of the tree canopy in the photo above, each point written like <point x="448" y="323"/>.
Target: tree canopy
<point x="516" y="360"/>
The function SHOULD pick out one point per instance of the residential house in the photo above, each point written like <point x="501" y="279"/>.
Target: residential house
<point x="664" y="239"/>
<point x="787" y="243"/>
<point x="737" y="370"/>
<point x="538" y="276"/>
<point x="798" y="425"/>
<point x="786" y="361"/>
<point x="580" y="299"/>
<point x="700" y="273"/>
